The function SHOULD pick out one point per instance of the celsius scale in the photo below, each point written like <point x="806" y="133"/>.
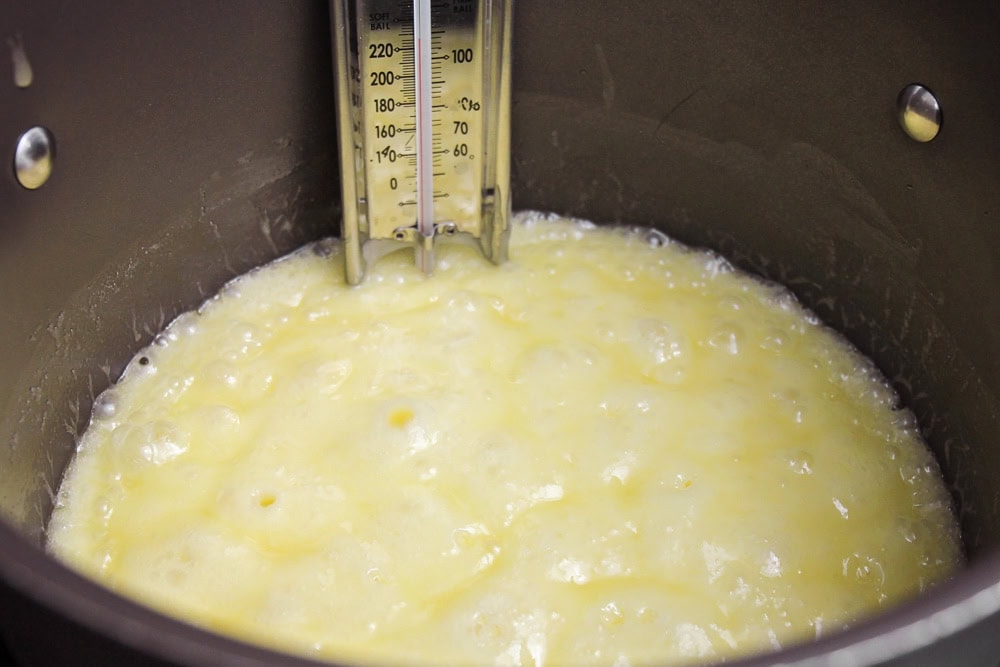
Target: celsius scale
<point x="423" y="102"/>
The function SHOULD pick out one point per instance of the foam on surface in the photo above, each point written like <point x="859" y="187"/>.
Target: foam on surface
<point x="610" y="450"/>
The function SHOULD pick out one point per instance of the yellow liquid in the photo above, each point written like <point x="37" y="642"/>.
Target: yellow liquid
<point x="602" y="452"/>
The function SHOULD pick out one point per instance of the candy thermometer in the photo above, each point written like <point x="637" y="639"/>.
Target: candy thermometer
<point x="423" y="102"/>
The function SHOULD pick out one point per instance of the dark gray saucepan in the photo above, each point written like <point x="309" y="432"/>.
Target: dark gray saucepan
<point x="195" y="139"/>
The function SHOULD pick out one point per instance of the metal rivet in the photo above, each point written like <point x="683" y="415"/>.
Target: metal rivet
<point x="919" y="112"/>
<point x="33" y="157"/>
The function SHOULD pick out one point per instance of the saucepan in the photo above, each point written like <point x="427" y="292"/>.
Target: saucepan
<point x="850" y="150"/>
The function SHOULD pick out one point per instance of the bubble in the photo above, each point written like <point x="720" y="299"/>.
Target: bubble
<point x="329" y="376"/>
<point x="547" y="367"/>
<point x="106" y="405"/>
<point x="661" y="350"/>
<point x="905" y="420"/>
<point x="728" y="339"/>
<point x="907" y="529"/>
<point x="655" y="238"/>
<point x="646" y="614"/>
<point x="324" y="247"/>
<point x="183" y="326"/>
<point x="469" y="537"/>
<point x="620" y="470"/>
<point x="166" y="444"/>
<point x="156" y="443"/>
<point x="864" y="569"/>
<point x="221" y="374"/>
<point x="716" y="265"/>
<point x="611" y="615"/>
<point x="292" y="300"/>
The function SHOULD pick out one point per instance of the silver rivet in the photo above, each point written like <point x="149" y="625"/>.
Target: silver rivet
<point x="919" y="112"/>
<point x="33" y="157"/>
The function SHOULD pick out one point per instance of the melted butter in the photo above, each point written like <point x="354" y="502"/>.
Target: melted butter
<point x="601" y="452"/>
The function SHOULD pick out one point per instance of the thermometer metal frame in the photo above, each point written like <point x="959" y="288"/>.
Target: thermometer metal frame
<point x="423" y="106"/>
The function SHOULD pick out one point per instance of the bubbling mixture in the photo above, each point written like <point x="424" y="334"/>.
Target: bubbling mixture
<point x="610" y="450"/>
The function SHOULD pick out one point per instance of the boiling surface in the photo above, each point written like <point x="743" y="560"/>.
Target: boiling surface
<point x="610" y="450"/>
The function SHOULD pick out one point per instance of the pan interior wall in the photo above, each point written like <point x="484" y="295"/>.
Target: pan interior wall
<point x="767" y="135"/>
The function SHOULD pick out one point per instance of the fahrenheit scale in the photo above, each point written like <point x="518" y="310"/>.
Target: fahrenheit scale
<point x="423" y="103"/>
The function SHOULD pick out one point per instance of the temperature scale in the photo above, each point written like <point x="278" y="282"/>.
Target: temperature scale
<point x="423" y="101"/>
